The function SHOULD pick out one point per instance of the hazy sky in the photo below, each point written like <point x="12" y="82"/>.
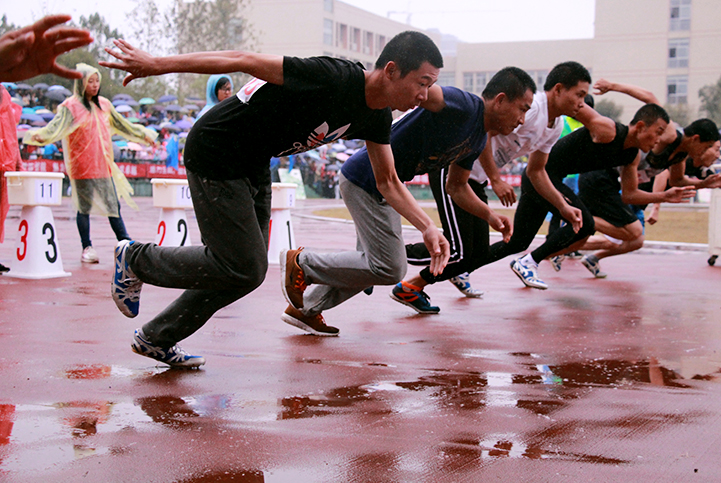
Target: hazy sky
<point x="469" y="20"/>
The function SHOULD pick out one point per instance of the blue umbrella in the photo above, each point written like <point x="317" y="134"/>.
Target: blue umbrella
<point x="40" y="85"/>
<point x="122" y="96"/>
<point x="184" y="124"/>
<point x="167" y="98"/>
<point x="173" y="108"/>
<point x="47" y="115"/>
<point x="31" y="117"/>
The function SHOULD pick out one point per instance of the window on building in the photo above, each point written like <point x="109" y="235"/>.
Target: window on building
<point x="355" y="39"/>
<point x="380" y="44"/>
<point x="368" y="43"/>
<point x="468" y="81"/>
<point x="446" y="79"/>
<point x="539" y="77"/>
<point x="678" y="52"/>
<point x="328" y="5"/>
<point x="327" y="31"/>
<point x="680" y="15"/>
<point x="476" y="81"/>
<point x="677" y="89"/>
<point x="341" y="39"/>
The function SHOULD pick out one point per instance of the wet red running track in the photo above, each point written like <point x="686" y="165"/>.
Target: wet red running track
<point x="591" y="380"/>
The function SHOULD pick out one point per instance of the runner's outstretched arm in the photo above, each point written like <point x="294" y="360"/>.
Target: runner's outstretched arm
<point x="138" y="63"/>
<point x="398" y="196"/>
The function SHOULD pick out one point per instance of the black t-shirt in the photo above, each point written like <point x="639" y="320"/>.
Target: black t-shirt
<point x="577" y="153"/>
<point x="321" y="100"/>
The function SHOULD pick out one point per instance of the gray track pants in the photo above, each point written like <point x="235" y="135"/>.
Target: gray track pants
<point x="233" y="218"/>
<point x="380" y="258"/>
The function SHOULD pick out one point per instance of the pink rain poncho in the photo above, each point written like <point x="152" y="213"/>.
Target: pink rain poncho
<point x="9" y="152"/>
<point x="88" y="149"/>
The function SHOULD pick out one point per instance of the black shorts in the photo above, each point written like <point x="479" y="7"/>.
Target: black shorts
<point x="600" y="191"/>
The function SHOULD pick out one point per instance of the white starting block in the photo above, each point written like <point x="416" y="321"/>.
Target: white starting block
<point x="172" y="196"/>
<point x="37" y="254"/>
<point x="281" y="227"/>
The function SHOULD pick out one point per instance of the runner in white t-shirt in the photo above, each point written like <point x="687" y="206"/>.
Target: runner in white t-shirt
<point x="564" y="90"/>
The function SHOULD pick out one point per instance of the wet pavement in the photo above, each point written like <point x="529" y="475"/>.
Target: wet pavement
<point x="591" y="380"/>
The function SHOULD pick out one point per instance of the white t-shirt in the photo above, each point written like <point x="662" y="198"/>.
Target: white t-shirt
<point x="533" y="135"/>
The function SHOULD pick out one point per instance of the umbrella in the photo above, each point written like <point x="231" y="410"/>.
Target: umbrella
<point x="154" y="127"/>
<point x="62" y="89"/>
<point x="39" y="123"/>
<point x="24" y="86"/>
<point x="184" y="124"/>
<point x="153" y="119"/>
<point x="183" y="135"/>
<point x="121" y="143"/>
<point x="124" y="108"/>
<point x="23" y="126"/>
<point x="191" y="107"/>
<point x="134" y="146"/>
<point x="47" y="116"/>
<point x="120" y="102"/>
<point x="167" y="98"/>
<point x="31" y="117"/>
<point x="173" y="108"/>
<point x="40" y="85"/>
<point x="122" y="96"/>
<point x="133" y="119"/>
<point x="132" y="102"/>
<point x="28" y="110"/>
<point x="10" y="85"/>
<point x="146" y="100"/>
<point x="56" y="95"/>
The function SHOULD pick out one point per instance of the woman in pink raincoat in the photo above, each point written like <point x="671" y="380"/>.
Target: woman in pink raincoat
<point x="85" y="122"/>
<point x="9" y="153"/>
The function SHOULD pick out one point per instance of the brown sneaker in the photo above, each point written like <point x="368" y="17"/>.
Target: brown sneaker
<point x="313" y="324"/>
<point x="292" y="277"/>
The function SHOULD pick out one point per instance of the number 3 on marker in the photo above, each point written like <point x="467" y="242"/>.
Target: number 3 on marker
<point x="23" y="240"/>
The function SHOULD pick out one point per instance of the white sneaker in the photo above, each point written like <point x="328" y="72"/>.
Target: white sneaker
<point x="462" y="283"/>
<point x="557" y="261"/>
<point x="528" y="275"/>
<point x="593" y="266"/>
<point x="89" y="255"/>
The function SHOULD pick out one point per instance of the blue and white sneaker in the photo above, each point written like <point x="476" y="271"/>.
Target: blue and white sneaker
<point x="125" y="286"/>
<point x="418" y="300"/>
<point x="593" y="266"/>
<point x="557" y="261"/>
<point x="462" y="283"/>
<point x="174" y="356"/>
<point x="528" y="275"/>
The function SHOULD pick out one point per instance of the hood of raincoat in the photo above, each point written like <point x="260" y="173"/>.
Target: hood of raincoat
<point x="81" y="84"/>
<point x="211" y="97"/>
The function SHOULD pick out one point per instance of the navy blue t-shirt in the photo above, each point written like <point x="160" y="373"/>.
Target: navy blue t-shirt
<point x="423" y="141"/>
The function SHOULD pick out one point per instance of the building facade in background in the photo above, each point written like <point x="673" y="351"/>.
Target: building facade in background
<point x="671" y="47"/>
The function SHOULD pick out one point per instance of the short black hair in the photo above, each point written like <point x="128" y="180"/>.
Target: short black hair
<point x="220" y="84"/>
<point x="649" y="114"/>
<point x="568" y="74"/>
<point x="705" y="128"/>
<point x="511" y="81"/>
<point x="589" y="100"/>
<point x="409" y="50"/>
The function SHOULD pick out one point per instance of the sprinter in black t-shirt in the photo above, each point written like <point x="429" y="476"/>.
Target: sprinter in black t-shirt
<point x="601" y="144"/>
<point x="291" y="106"/>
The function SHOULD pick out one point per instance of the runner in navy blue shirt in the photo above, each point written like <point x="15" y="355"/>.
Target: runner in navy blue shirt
<point x="447" y="131"/>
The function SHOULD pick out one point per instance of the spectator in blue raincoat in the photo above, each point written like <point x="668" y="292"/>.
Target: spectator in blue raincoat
<point x="219" y="88"/>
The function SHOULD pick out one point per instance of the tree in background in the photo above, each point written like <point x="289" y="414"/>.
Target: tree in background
<point x="190" y="26"/>
<point x="710" y="97"/>
<point x="6" y="27"/>
<point x="609" y="109"/>
<point x="680" y="113"/>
